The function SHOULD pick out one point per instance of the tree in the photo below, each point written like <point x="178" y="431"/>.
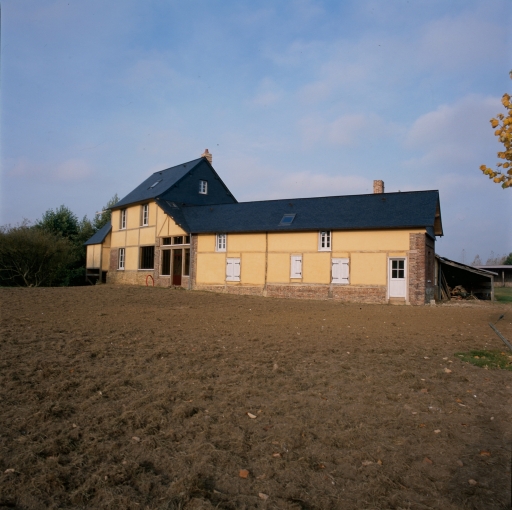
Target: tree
<point x="104" y="216"/>
<point x="33" y="256"/>
<point x="508" y="260"/>
<point x="477" y="261"/>
<point x="503" y="126"/>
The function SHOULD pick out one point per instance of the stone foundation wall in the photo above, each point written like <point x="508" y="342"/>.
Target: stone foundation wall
<point x="130" y="277"/>
<point x="370" y="294"/>
<point x="298" y="291"/>
<point x="342" y="293"/>
<point x="232" y="289"/>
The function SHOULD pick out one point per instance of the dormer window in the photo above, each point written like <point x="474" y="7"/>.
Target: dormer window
<point x="203" y="187"/>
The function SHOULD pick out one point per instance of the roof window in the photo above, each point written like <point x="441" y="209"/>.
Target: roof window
<point x="153" y="185"/>
<point x="286" y="220"/>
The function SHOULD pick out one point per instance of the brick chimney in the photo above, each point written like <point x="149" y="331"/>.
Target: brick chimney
<point x="207" y="155"/>
<point x="378" y="186"/>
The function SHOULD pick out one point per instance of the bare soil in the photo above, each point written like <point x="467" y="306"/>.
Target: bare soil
<point x="138" y="398"/>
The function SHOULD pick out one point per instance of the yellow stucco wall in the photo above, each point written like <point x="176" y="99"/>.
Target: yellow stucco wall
<point x="373" y="240"/>
<point x="278" y="269"/>
<point x="93" y="256"/>
<point x="367" y="252"/>
<point x="316" y="267"/>
<point x="368" y="269"/>
<point x="211" y="268"/>
<point x="246" y="243"/>
<point x="291" y="242"/>
<point x="253" y="268"/>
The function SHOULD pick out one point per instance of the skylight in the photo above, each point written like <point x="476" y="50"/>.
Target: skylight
<point x="153" y="185"/>
<point x="286" y="220"/>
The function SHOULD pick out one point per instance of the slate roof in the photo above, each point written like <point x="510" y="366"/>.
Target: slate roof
<point x="100" y="235"/>
<point x="167" y="178"/>
<point x="416" y="209"/>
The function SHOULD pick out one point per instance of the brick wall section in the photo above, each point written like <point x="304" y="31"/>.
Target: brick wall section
<point x="298" y="291"/>
<point x="193" y="262"/>
<point x="130" y="277"/>
<point x="417" y="268"/>
<point x="430" y="249"/>
<point x="370" y="294"/>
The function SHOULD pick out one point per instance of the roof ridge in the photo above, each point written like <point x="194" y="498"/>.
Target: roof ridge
<point x="316" y="198"/>
<point x="195" y="161"/>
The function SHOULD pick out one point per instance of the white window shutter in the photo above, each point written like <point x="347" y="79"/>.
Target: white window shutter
<point x="229" y="269"/>
<point x="344" y="270"/>
<point x="340" y="271"/>
<point x="336" y="271"/>
<point x="232" y="270"/>
<point x="296" y="266"/>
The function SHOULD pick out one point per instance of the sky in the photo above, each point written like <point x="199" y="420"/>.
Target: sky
<point x="294" y="98"/>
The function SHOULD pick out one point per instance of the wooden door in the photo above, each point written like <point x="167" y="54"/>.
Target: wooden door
<point x="177" y="267"/>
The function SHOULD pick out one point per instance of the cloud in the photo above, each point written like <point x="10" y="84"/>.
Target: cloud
<point x="459" y="42"/>
<point x="307" y="184"/>
<point x="72" y="170"/>
<point x="348" y="130"/>
<point x="268" y="93"/>
<point x="69" y="170"/>
<point x="455" y="134"/>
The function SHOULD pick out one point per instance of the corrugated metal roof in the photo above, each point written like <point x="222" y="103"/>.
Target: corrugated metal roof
<point x="415" y="209"/>
<point x="100" y="235"/>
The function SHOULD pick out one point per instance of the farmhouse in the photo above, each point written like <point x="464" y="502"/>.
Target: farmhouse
<point x="182" y="227"/>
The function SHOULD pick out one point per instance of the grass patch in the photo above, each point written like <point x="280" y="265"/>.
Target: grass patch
<point x="503" y="294"/>
<point x="487" y="359"/>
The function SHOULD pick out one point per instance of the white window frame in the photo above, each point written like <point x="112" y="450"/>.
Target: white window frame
<point x="120" y="259"/>
<point x="122" y="219"/>
<point x="340" y="274"/>
<point x="296" y="267"/>
<point x="145" y="215"/>
<point x="233" y="269"/>
<point x="324" y="240"/>
<point x="203" y="187"/>
<point x="221" y="242"/>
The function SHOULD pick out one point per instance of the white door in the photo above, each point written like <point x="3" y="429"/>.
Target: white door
<point x="397" y="278"/>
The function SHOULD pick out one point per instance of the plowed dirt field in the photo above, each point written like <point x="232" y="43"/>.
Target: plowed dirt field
<point x="146" y="398"/>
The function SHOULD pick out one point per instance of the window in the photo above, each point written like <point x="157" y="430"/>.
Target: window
<point x="120" y="260"/>
<point x="220" y="242"/>
<point x="286" y="220"/>
<point x="122" y="223"/>
<point x="186" y="266"/>
<point x="398" y="269"/>
<point x="340" y="271"/>
<point x="296" y="266"/>
<point x="147" y="257"/>
<point x="324" y="241"/>
<point x="145" y="215"/>
<point x="232" y="270"/>
<point x="167" y="241"/>
<point x="203" y="187"/>
<point x="165" y="268"/>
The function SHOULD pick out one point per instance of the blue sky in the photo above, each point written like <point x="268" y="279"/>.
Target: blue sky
<point x="292" y="98"/>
